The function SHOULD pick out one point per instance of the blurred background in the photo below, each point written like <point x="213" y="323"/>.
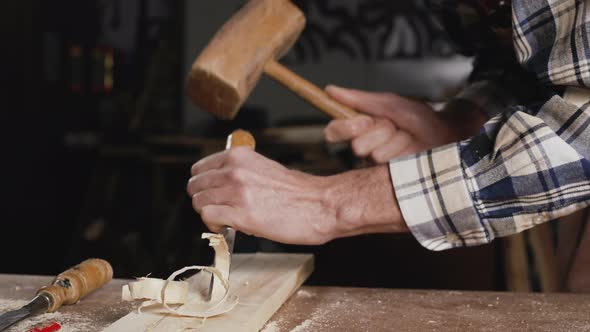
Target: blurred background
<point x="100" y="136"/>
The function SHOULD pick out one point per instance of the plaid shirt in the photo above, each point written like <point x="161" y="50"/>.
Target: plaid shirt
<point x="530" y="163"/>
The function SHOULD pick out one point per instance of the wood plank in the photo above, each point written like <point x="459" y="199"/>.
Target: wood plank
<point x="263" y="282"/>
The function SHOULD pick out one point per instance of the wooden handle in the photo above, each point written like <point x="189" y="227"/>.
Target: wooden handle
<point x="240" y="138"/>
<point x="308" y="91"/>
<point x="77" y="282"/>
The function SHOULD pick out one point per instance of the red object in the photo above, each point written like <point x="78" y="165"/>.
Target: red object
<point x="49" y="328"/>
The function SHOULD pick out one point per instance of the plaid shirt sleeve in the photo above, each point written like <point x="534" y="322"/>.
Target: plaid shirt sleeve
<point x="531" y="161"/>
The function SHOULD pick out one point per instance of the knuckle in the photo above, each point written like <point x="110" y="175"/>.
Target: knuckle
<point x="242" y="195"/>
<point x="237" y="154"/>
<point x="194" y="169"/>
<point x="354" y="127"/>
<point x="390" y="126"/>
<point x="196" y="203"/>
<point x="208" y="216"/>
<point x="329" y="133"/>
<point x="358" y="148"/>
<point x="360" y="124"/>
<point x="236" y="175"/>
<point x="189" y="186"/>
<point x="378" y="157"/>
<point x="243" y="223"/>
<point x="383" y="123"/>
<point x="232" y="156"/>
<point x="388" y="97"/>
<point x="322" y="232"/>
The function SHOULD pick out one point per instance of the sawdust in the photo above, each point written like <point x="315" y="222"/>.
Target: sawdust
<point x="303" y="294"/>
<point x="271" y="327"/>
<point x="70" y="322"/>
<point x="7" y="305"/>
<point x="303" y="326"/>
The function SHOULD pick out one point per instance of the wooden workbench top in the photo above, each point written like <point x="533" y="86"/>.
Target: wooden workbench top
<point x="344" y="309"/>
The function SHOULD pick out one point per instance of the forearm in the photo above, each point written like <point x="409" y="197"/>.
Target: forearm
<point x="363" y="201"/>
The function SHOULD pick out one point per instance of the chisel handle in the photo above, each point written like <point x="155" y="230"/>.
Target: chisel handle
<point x="240" y="138"/>
<point x="77" y="282"/>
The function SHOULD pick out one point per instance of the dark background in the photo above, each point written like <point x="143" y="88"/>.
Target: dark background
<point x="94" y="170"/>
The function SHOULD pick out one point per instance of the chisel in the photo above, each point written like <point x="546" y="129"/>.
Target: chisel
<point x="67" y="288"/>
<point x="237" y="138"/>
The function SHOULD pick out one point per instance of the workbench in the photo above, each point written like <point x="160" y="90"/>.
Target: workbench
<point x="343" y="309"/>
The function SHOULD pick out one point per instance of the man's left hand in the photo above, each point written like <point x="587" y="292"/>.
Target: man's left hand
<point x="255" y="195"/>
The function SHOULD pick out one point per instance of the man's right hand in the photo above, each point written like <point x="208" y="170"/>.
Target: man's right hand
<point x="391" y="126"/>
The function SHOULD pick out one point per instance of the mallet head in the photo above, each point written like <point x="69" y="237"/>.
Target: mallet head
<point x="227" y="70"/>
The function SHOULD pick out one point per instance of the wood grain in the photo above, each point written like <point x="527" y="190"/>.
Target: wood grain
<point x="72" y="285"/>
<point x="227" y="70"/>
<point x="248" y="44"/>
<point x="263" y="282"/>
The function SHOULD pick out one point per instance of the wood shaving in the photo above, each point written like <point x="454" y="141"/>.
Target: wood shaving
<point x="151" y="289"/>
<point x="168" y="292"/>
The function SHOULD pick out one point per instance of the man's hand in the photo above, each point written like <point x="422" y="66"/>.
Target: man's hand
<point x="393" y="126"/>
<point x="255" y="195"/>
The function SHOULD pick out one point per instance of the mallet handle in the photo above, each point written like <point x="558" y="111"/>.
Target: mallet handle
<point x="308" y="91"/>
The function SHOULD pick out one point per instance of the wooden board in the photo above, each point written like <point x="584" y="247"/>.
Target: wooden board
<point x="263" y="282"/>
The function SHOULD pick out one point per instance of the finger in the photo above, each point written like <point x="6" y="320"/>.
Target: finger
<point x="376" y="104"/>
<point x="218" y="216"/>
<point x="393" y="148"/>
<point x="346" y="129"/>
<point x="366" y="143"/>
<point x="213" y="161"/>
<point x="406" y="113"/>
<point x="214" y="178"/>
<point x="215" y="196"/>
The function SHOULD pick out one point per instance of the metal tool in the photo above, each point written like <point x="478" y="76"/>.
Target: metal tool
<point x="237" y="138"/>
<point x="67" y="288"/>
<point x="229" y="234"/>
<point x="248" y="45"/>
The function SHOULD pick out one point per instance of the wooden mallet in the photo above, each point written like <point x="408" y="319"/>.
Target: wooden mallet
<point x="249" y="44"/>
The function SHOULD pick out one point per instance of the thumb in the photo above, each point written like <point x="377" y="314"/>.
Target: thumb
<point x="369" y="103"/>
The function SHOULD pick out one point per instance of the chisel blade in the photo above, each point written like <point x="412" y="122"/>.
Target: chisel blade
<point x="230" y="238"/>
<point x="229" y="234"/>
<point x="38" y="305"/>
<point x="11" y="317"/>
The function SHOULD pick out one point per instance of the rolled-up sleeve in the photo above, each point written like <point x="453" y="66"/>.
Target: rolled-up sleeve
<point x="530" y="163"/>
<point x="431" y="189"/>
<point x="524" y="168"/>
